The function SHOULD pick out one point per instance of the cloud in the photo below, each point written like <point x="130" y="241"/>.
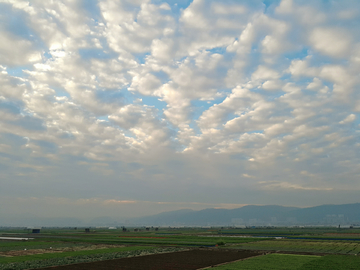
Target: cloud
<point x="287" y="185"/>
<point x="132" y="102"/>
<point x="333" y="42"/>
<point x="15" y="51"/>
<point x="350" y="118"/>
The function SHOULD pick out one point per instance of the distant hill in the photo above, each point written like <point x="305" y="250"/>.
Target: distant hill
<point x="254" y="215"/>
<point x="250" y="215"/>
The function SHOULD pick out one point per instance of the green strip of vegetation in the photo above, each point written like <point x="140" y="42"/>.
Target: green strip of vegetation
<point x="304" y="246"/>
<point x="46" y="256"/>
<point x="333" y="262"/>
<point x="269" y="262"/>
<point x="21" y="245"/>
<point x="295" y="262"/>
<point x="82" y="259"/>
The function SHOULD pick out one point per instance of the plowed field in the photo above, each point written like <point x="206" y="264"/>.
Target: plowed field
<point x="184" y="260"/>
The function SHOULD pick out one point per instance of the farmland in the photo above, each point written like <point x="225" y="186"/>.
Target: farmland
<point x="52" y="247"/>
<point x="292" y="262"/>
<point x="314" y="246"/>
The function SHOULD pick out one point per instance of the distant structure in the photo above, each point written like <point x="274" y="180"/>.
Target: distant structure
<point x="36" y="230"/>
<point x="87" y="230"/>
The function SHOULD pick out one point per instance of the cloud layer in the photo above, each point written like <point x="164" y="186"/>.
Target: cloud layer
<point x="209" y="102"/>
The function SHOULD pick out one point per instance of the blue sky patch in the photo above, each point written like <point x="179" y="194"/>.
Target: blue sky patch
<point x="92" y="8"/>
<point x="14" y="21"/>
<point x="121" y="97"/>
<point x="96" y="53"/>
<point x="141" y="57"/>
<point x="103" y="118"/>
<point x="154" y="102"/>
<point x="9" y="107"/>
<point x="18" y="71"/>
<point x="61" y="92"/>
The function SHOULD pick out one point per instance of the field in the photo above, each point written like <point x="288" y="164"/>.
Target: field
<point x="292" y="262"/>
<point x="184" y="260"/>
<point x="312" y="248"/>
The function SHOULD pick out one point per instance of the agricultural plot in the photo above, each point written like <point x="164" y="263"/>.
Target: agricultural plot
<point x="295" y="262"/>
<point x="54" y="247"/>
<point x="185" y="260"/>
<point x="331" y="247"/>
<point x="6" y="246"/>
<point x="333" y="262"/>
<point x="270" y="262"/>
<point x="184" y="240"/>
<point x="47" y="260"/>
<point x="300" y="233"/>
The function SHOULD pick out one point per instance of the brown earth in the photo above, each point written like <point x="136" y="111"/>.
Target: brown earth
<point x="184" y="260"/>
<point x="14" y="253"/>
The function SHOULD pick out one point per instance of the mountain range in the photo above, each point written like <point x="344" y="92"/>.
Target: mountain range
<point x="250" y="215"/>
<point x="255" y="215"/>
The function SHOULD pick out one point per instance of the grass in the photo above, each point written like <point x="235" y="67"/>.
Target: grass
<point x="342" y="247"/>
<point x="46" y="256"/>
<point x="140" y="239"/>
<point x="33" y="244"/>
<point x="269" y="262"/>
<point x="333" y="262"/>
<point x="323" y="232"/>
<point x="295" y="262"/>
<point x="129" y="252"/>
<point x="322" y="240"/>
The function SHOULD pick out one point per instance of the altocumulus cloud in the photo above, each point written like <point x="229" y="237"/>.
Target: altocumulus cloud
<point x="177" y="104"/>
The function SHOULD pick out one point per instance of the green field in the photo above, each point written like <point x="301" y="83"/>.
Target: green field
<point x="46" y="260"/>
<point x="338" y="247"/>
<point x="21" y="245"/>
<point x="46" y="256"/>
<point x="74" y="246"/>
<point x="271" y="261"/>
<point x="294" y="262"/>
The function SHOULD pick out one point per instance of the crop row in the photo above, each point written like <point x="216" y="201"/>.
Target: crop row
<point x="338" y="247"/>
<point x="82" y="258"/>
<point x="21" y="245"/>
<point x="292" y="262"/>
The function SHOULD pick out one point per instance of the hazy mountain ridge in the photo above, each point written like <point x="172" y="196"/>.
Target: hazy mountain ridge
<point x="258" y="215"/>
<point x="250" y="215"/>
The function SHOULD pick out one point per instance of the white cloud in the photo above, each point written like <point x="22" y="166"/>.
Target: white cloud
<point x="152" y="101"/>
<point x="315" y="84"/>
<point x="350" y="118"/>
<point x="301" y="68"/>
<point x="264" y="73"/>
<point x="333" y="42"/>
<point x="227" y="9"/>
<point x="287" y="186"/>
<point x="16" y="51"/>
<point x="272" y="85"/>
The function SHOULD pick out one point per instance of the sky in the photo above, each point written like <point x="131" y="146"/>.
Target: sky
<point x="134" y="107"/>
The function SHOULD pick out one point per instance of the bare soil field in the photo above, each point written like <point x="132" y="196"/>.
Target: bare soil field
<point x="184" y="260"/>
